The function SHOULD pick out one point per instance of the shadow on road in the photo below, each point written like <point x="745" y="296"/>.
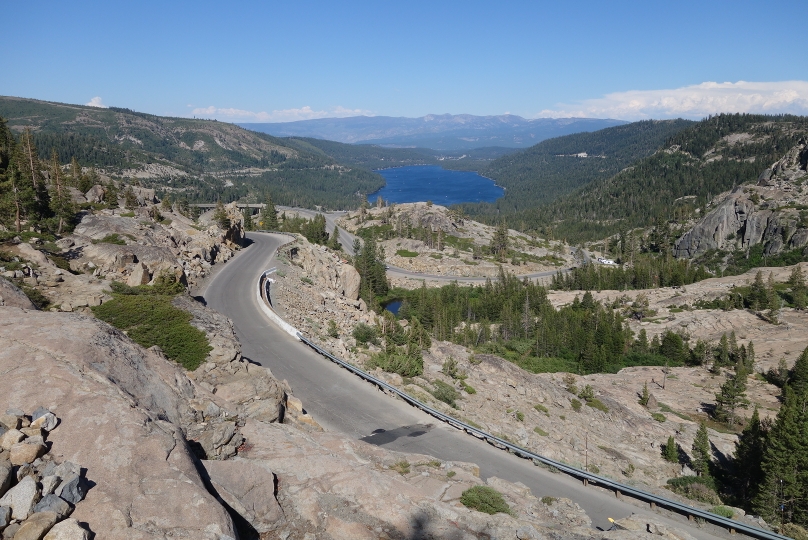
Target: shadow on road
<point x="380" y="437"/>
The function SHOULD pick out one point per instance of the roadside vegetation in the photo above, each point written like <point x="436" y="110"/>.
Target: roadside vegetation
<point x="147" y="316"/>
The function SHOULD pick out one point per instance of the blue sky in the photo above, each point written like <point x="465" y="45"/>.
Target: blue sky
<point x="280" y="61"/>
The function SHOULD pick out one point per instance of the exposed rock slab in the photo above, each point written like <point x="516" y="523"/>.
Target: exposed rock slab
<point x="120" y="409"/>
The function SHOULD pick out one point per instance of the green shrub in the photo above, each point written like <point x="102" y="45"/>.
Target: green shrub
<point x="450" y="474"/>
<point x="35" y="296"/>
<point x="485" y="499"/>
<point x="445" y="393"/>
<point x="594" y="468"/>
<point x="406" y="366"/>
<point x="152" y="320"/>
<point x="659" y="417"/>
<point x="540" y="431"/>
<point x="406" y="253"/>
<point x="364" y="333"/>
<point x="541" y="408"/>
<point x="595" y="403"/>
<point x="307" y="280"/>
<point x="548" y="500"/>
<point x="723" y="511"/>
<point x="520" y="416"/>
<point x="698" y="488"/>
<point x="333" y="330"/>
<point x="576" y="405"/>
<point x="402" y="467"/>
<point x="469" y="389"/>
<point x="113" y="238"/>
<point x="792" y="530"/>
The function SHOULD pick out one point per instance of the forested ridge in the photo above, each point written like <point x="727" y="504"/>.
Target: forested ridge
<point x="552" y="168"/>
<point x="197" y="160"/>
<point x="693" y="166"/>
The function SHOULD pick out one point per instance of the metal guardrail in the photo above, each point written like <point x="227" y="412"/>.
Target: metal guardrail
<point x="587" y="477"/>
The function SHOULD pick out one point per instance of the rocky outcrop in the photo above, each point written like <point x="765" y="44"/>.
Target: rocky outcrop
<point x="766" y="213"/>
<point x="43" y="491"/>
<point x="251" y="389"/>
<point x="124" y="416"/>
<point x="114" y="246"/>
<point x="11" y="296"/>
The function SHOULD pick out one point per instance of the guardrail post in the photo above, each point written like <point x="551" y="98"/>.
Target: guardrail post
<point x="586" y="482"/>
<point x="653" y="505"/>
<point x="617" y="494"/>
<point x="690" y="517"/>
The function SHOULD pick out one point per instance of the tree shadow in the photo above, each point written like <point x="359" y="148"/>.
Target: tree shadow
<point x="421" y="527"/>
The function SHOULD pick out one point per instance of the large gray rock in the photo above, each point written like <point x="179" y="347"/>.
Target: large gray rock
<point x="139" y="276"/>
<point x="21" y="498"/>
<point x="68" y="529"/>
<point x="44" y="419"/>
<point x="11" y="296"/>
<point x="52" y="503"/>
<point x="6" y="476"/>
<point x="96" y="194"/>
<point x="5" y="517"/>
<point x="72" y="489"/>
<point x="349" y="279"/>
<point x="247" y="487"/>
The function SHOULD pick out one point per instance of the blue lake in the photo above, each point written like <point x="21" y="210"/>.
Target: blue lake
<point x="421" y="183"/>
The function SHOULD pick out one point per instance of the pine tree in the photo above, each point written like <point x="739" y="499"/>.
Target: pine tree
<point x="333" y="240"/>
<point x="61" y="202"/>
<point x="220" y="216"/>
<point x="799" y="294"/>
<point x="499" y="242"/>
<point x="130" y="199"/>
<point x="798" y="375"/>
<point x="732" y="396"/>
<point x="758" y="299"/>
<point x="747" y="473"/>
<point x="248" y="221"/>
<point x="645" y="395"/>
<point x="671" y="451"/>
<point x="270" y="216"/>
<point x="783" y="494"/>
<point x="750" y="357"/>
<point x="702" y="454"/>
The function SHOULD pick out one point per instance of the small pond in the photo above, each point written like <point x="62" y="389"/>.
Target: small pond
<point x="393" y="306"/>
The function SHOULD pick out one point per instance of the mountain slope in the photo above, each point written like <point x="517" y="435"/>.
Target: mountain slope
<point x="444" y="132"/>
<point x="555" y="167"/>
<point x="699" y="162"/>
<point x="764" y="222"/>
<point x="201" y="160"/>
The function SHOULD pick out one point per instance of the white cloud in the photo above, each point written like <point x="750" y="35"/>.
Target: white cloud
<point x="96" y="102"/>
<point x="695" y="101"/>
<point x="282" y="115"/>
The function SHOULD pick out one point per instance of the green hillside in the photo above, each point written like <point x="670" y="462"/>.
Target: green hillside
<point x="199" y="160"/>
<point x="694" y="165"/>
<point x="555" y="167"/>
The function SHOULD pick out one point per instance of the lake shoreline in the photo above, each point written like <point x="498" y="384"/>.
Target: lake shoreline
<point x="434" y="183"/>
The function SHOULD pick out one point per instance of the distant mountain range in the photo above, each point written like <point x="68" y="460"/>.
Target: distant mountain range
<point x="444" y="132"/>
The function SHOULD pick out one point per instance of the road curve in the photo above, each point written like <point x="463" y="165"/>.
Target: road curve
<point x="343" y="403"/>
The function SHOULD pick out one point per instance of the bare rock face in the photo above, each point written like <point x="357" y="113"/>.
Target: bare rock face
<point x="249" y="388"/>
<point x="139" y="276"/>
<point x="96" y="194"/>
<point x="755" y="214"/>
<point x="349" y="278"/>
<point x="121" y="410"/>
<point x="326" y="269"/>
<point x="11" y="296"/>
<point x="247" y="486"/>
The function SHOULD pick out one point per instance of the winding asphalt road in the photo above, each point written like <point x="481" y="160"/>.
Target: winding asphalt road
<point x="343" y="403"/>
